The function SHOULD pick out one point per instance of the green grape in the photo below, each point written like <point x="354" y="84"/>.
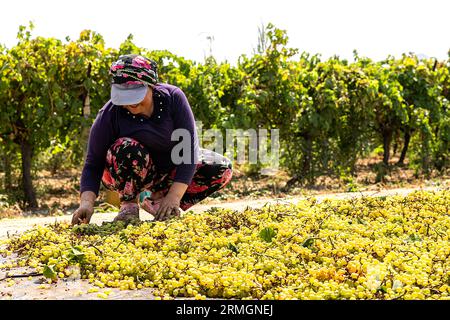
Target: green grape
<point x="365" y="248"/>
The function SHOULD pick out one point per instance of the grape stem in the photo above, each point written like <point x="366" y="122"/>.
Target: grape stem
<point x="31" y="274"/>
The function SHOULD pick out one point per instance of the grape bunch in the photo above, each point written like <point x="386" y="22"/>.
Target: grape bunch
<point x="363" y="248"/>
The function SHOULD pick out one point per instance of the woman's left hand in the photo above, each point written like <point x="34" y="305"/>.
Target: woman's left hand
<point x="169" y="206"/>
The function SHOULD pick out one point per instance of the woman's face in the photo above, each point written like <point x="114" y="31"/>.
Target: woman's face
<point x="143" y="107"/>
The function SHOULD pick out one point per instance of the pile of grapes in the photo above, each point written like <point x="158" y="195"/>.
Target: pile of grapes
<point x="362" y="248"/>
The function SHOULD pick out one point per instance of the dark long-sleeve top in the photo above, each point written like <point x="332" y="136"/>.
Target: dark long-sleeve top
<point x="171" y="110"/>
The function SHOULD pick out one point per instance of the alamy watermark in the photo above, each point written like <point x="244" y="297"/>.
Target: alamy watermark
<point x="241" y="146"/>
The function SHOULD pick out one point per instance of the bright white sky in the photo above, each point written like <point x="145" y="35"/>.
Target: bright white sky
<point x="375" y="28"/>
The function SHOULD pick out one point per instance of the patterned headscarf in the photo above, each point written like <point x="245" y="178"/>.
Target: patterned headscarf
<point x="134" y="69"/>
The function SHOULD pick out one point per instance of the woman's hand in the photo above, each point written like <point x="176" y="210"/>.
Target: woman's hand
<point x="168" y="207"/>
<point x="84" y="213"/>
<point x="170" y="204"/>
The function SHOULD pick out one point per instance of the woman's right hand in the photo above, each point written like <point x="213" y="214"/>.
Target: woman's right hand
<point x="83" y="214"/>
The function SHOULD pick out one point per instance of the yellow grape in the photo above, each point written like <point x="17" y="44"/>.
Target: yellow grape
<point x="364" y="248"/>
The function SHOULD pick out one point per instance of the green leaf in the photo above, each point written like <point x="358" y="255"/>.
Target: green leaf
<point x="308" y="243"/>
<point x="382" y="289"/>
<point x="76" y="254"/>
<point x="232" y="247"/>
<point x="414" y="237"/>
<point x="76" y="251"/>
<point x="361" y="221"/>
<point x="123" y="237"/>
<point x="49" y="272"/>
<point x="267" y="234"/>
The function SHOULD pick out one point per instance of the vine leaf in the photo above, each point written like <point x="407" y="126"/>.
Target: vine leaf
<point x="232" y="247"/>
<point x="76" y="254"/>
<point x="267" y="234"/>
<point x="49" y="272"/>
<point x="308" y="243"/>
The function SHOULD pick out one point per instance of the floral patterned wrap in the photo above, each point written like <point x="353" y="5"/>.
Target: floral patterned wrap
<point x="134" y="69"/>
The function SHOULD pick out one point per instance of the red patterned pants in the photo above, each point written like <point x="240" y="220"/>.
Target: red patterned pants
<point x="130" y="170"/>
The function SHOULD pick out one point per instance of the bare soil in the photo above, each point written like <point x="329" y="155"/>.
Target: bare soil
<point x="59" y="193"/>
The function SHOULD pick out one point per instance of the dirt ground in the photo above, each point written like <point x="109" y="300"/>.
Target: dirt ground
<point x="58" y="193"/>
<point x="36" y="288"/>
